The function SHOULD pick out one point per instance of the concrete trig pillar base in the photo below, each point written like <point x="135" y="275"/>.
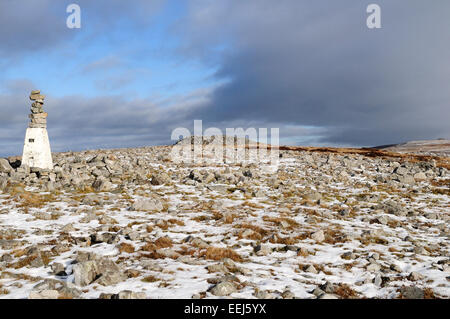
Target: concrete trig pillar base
<point x="36" y="150"/>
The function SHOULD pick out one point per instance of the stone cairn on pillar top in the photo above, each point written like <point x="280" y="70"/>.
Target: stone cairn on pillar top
<point x="38" y="116"/>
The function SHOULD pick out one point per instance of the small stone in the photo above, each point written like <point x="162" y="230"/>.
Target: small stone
<point x="396" y="268"/>
<point x="223" y="288"/>
<point x="65" y="290"/>
<point x="58" y="269"/>
<point x="378" y="280"/>
<point x="311" y="269"/>
<point x="317" y="292"/>
<point x="407" y="179"/>
<point x="420" y="177"/>
<point x="127" y="294"/>
<point x="230" y="264"/>
<point x="217" y="268"/>
<point x="318" y="236"/>
<point x="84" y="273"/>
<point x="412" y="293"/>
<point x="374" y="267"/>
<point x="209" y="178"/>
<point x="102" y="185"/>
<point x="197" y="242"/>
<point x="83" y="256"/>
<point x="195" y="175"/>
<point x="383" y="220"/>
<point x="421" y="251"/>
<point x="328" y="287"/>
<point x="68" y="228"/>
<point x="375" y="256"/>
<point x="262" y="294"/>
<point x="160" y="179"/>
<point x="313" y="196"/>
<point x="262" y="250"/>
<point x="44" y="294"/>
<point x="109" y="238"/>
<point x="414" y="276"/>
<point x="247" y="233"/>
<point x="348" y="255"/>
<point x="4" y="166"/>
<point x="327" y="296"/>
<point x="3" y="183"/>
<point x="147" y="205"/>
<point x="400" y="170"/>
<point x="287" y="294"/>
<point x="6" y="258"/>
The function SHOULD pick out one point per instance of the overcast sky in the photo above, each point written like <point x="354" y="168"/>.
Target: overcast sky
<point x="138" y="69"/>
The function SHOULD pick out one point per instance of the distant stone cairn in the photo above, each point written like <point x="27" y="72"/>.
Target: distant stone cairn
<point x="38" y="117"/>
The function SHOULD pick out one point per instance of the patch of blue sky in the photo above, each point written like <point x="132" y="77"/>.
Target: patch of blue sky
<point x="128" y="59"/>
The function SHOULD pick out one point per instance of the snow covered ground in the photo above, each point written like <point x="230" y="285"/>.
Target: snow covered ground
<point x="319" y="226"/>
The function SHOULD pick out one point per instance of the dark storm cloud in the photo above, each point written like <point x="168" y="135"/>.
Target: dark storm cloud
<point x="28" y="25"/>
<point x="316" y="63"/>
<point x="35" y="25"/>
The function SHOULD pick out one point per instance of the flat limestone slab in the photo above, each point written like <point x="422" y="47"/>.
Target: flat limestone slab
<point x="38" y="115"/>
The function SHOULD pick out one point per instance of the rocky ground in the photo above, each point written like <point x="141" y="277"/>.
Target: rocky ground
<point x="132" y="223"/>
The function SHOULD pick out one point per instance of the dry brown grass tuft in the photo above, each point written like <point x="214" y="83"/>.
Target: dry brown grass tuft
<point x="201" y="218"/>
<point x="321" y="268"/>
<point x="229" y="218"/>
<point x="186" y="251"/>
<point x="312" y="212"/>
<point x="127" y="248"/>
<point x="32" y="200"/>
<point x="279" y="220"/>
<point x="7" y="274"/>
<point x="261" y="231"/>
<point x="176" y="222"/>
<point x="345" y="292"/>
<point x="283" y="240"/>
<point x="216" y="253"/>
<point x="429" y="294"/>
<point x="3" y="291"/>
<point x="19" y="252"/>
<point x="252" y="205"/>
<point x="85" y="190"/>
<point x="334" y="236"/>
<point x="253" y="236"/>
<point x="164" y="225"/>
<point x="150" y="279"/>
<point x="303" y="252"/>
<point x="441" y="183"/>
<point x="163" y="242"/>
<point x="441" y="191"/>
<point x="153" y="254"/>
<point x="132" y="273"/>
<point x="367" y="240"/>
<point x="27" y="261"/>
<point x="148" y="247"/>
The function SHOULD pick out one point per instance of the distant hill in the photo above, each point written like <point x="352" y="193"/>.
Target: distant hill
<point x="434" y="147"/>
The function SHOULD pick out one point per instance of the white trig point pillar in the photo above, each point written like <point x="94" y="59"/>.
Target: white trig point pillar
<point x="36" y="150"/>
